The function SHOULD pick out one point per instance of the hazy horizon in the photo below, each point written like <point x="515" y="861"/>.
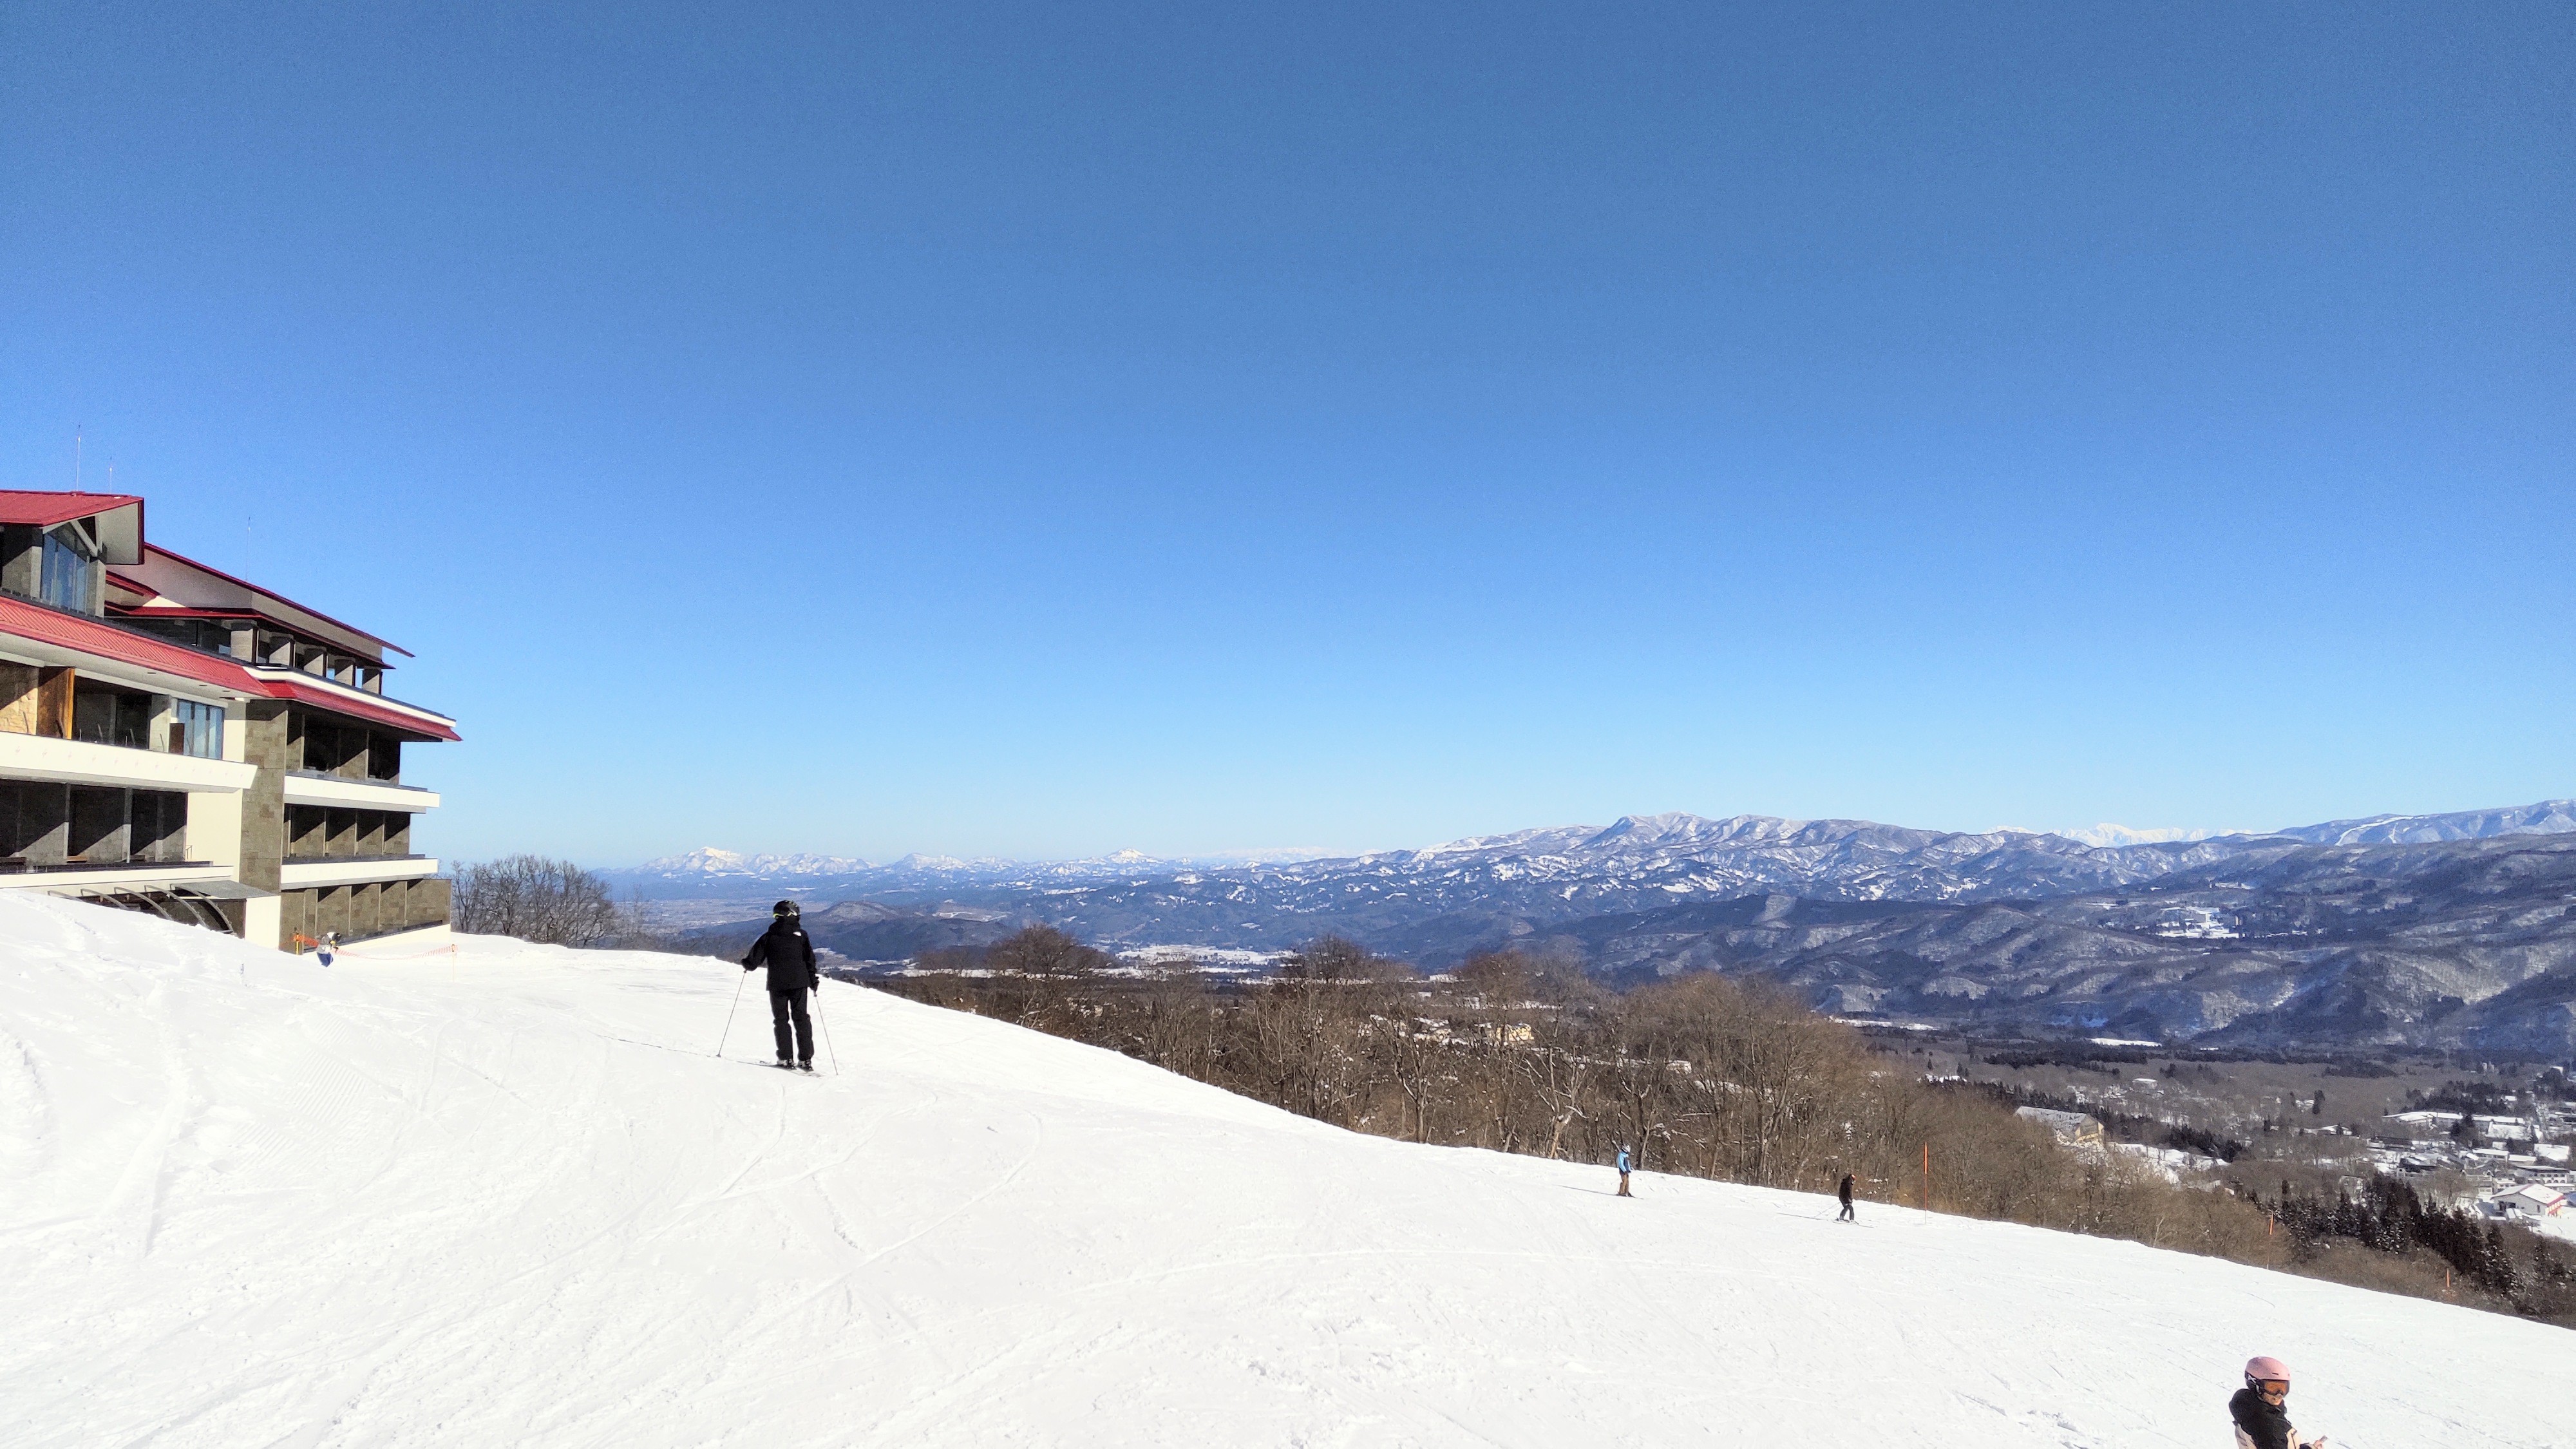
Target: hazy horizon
<point x="1247" y="855"/>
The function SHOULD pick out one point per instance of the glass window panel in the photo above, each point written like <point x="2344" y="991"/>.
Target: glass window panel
<point x="201" y="728"/>
<point x="66" y="570"/>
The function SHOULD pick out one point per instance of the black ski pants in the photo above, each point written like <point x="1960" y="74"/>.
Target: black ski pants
<point x="795" y="1029"/>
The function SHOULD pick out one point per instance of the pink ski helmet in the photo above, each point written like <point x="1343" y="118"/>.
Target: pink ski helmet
<point x="2266" y="1368"/>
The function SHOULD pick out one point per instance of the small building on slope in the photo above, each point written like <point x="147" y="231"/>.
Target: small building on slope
<point x="2075" y="1129"/>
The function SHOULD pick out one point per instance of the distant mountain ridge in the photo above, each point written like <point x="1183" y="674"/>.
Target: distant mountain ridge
<point x="708" y="862"/>
<point x="2109" y="834"/>
<point x="2547" y="817"/>
<point x="2452" y="943"/>
<point x="710" y="871"/>
<point x="2451" y="929"/>
<point x="1618" y="866"/>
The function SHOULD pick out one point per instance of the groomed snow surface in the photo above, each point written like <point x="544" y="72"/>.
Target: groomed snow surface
<point x="509" y="1198"/>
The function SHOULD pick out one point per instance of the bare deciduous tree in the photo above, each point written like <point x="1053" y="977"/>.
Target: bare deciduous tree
<point x="1050" y="967"/>
<point x="535" y="899"/>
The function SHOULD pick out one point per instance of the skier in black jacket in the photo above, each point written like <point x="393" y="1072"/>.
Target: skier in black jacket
<point x="2261" y="1413"/>
<point x="1845" y="1192"/>
<point x="789" y="954"/>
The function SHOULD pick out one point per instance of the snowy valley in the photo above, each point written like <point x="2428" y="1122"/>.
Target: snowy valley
<point x="2424" y="930"/>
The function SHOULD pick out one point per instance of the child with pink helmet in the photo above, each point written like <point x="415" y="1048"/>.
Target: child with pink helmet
<point x="2261" y="1411"/>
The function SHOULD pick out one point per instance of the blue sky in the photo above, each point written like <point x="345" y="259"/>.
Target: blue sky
<point x="1038" y="431"/>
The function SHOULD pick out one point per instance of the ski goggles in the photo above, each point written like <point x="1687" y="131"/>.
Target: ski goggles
<point x="2272" y="1388"/>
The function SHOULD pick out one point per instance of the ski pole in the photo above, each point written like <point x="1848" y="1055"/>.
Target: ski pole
<point x="737" y="1006"/>
<point x="821" y="1021"/>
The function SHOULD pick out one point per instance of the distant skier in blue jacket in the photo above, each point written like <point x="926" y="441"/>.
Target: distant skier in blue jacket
<point x="1627" y="1165"/>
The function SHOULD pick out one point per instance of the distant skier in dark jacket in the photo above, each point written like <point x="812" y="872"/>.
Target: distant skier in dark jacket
<point x="789" y="954"/>
<point x="1845" y="1192"/>
<point x="2261" y="1412"/>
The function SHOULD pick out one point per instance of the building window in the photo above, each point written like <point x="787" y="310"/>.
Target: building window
<point x="215" y="636"/>
<point x="68" y="568"/>
<point x="196" y="729"/>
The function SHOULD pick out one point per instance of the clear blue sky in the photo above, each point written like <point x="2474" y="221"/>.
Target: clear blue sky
<point x="1041" y="430"/>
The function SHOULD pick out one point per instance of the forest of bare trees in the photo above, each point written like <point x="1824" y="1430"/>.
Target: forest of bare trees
<point x="535" y="899"/>
<point x="1704" y="1075"/>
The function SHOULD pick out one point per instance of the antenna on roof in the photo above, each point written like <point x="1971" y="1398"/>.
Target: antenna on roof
<point x="76" y="441"/>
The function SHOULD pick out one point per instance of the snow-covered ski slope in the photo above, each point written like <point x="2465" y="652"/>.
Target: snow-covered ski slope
<point x="509" y="1199"/>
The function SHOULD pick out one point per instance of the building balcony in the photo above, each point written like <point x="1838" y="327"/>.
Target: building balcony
<point x="316" y="872"/>
<point x="139" y="875"/>
<point x="311" y="787"/>
<point x="83" y="762"/>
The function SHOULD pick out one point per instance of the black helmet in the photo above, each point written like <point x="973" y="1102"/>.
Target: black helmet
<point x="784" y="908"/>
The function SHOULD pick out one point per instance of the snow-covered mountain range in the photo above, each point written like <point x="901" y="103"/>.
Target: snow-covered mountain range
<point x="2448" y="929"/>
<point x="710" y="870"/>
<point x="709" y="863"/>
<point x="2109" y="834"/>
<point x="1637" y="861"/>
<point x="2547" y="817"/>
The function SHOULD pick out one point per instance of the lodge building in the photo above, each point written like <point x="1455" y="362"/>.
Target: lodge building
<point x="177" y="740"/>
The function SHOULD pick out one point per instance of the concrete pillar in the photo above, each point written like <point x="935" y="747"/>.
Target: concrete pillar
<point x="265" y="744"/>
<point x="102" y="821"/>
<point x="44" y="822"/>
<point x="214" y="829"/>
<point x="430" y="901"/>
<point x="18" y="698"/>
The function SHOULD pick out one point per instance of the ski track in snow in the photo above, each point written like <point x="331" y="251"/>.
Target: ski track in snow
<point x="514" y="1200"/>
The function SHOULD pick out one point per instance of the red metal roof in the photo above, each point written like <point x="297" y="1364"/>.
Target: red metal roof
<point x="388" y="714"/>
<point x="92" y="636"/>
<point x="44" y="510"/>
<point x="281" y="598"/>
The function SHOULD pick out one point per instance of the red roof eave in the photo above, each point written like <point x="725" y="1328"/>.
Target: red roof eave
<point x="281" y="598"/>
<point x="89" y="636"/>
<point x="106" y="641"/>
<point x="387" y="713"/>
<point x="44" y="510"/>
